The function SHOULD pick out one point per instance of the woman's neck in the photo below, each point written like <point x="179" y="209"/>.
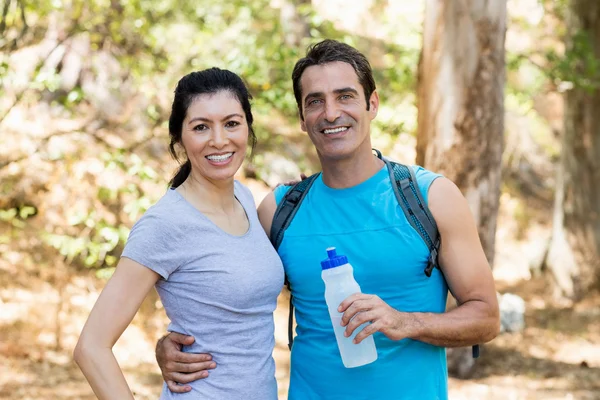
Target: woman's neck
<point x="209" y="196"/>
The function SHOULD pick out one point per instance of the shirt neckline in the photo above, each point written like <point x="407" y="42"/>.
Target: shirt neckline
<point x="205" y="218"/>
<point x="366" y="185"/>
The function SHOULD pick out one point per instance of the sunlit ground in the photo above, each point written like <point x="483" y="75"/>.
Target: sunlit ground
<point x="556" y="357"/>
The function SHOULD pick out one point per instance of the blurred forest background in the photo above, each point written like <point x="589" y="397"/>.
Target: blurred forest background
<point x="501" y="96"/>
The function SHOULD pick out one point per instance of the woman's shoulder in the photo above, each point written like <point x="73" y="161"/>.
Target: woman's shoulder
<point x="166" y="210"/>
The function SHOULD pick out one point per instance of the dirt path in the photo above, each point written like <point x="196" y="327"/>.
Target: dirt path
<point x="556" y="357"/>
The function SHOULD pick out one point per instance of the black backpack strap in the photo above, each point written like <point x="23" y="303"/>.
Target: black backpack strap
<point x="287" y="208"/>
<point x="285" y="212"/>
<point x="291" y="319"/>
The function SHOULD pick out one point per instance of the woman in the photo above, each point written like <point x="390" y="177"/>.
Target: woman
<point x="204" y="249"/>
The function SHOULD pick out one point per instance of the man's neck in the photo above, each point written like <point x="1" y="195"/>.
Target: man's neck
<point x="345" y="173"/>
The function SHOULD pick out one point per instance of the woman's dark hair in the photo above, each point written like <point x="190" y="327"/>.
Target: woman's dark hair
<point x="191" y="86"/>
<point x="328" y="51"/>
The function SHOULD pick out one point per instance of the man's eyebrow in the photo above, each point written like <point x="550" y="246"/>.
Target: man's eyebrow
<point x="209" y="120"/>
<point x="346" y="90"/>
<point x="336" y="91"/>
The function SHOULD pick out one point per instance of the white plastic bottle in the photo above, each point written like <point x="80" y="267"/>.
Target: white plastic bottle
<point x="338" y="276"/>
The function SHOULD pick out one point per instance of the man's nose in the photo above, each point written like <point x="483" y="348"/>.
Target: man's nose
<point x="332" y="112"/>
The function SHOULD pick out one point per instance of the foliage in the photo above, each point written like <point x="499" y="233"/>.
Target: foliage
<point x="109" y="66"/>
<point x="578" y="67"/>
<point x="574" y="65"/>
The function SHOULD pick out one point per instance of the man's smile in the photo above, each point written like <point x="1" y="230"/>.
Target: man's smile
<point x="330" y="131"/>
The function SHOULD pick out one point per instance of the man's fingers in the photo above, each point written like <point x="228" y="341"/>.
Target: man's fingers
<point x="189" y="358"/>
<point x="187" y="378"/>
<point x="180" y="338"/>
<point x="357" y="321"/>
<point x="349" y="300"/>
<point x="357" y="306"/>
<point x="191" y="367"/>
<point x="366" y="331"/>
<point x="176" y="388"/>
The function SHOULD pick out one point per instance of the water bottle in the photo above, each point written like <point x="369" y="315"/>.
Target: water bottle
<point x="339" y="284"/>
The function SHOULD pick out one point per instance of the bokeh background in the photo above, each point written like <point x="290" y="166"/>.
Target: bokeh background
<point x="501" y="96"/>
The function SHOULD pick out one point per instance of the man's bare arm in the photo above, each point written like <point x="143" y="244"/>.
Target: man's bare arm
<point x="266" y="211"/>
<point x="469" y="277"/>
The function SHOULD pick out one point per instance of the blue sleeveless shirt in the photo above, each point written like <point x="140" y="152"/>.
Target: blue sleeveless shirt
<point x="365" y="223"/>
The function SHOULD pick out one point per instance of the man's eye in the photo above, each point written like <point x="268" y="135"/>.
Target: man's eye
<point x="313" y="102"/>
<point x="345" y="97"/>
<point x="200" y="127"/>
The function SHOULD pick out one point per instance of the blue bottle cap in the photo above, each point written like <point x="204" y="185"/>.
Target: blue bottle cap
<point x="333" y="259"/>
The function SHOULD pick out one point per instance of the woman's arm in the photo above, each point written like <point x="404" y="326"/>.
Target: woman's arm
<point x="112" y="313"/>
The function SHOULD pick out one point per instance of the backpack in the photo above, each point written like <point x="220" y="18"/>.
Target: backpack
<point x="404" y="183"/>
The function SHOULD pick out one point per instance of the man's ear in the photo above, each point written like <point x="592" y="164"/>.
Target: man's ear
<point x="374" y="104"/>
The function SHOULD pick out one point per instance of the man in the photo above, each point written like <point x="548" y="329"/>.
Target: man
<point x="352" y="207"/>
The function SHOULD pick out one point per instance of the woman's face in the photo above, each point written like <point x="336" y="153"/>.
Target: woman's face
<point x="215" y="136"/>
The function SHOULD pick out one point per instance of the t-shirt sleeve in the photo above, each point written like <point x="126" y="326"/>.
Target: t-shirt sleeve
<point x="279" y="192"/>
<point x="152" y="243"/>
<point x="424" y="179"/>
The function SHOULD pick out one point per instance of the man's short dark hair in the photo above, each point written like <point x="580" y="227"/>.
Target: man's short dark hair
<point x="329" y="51"/>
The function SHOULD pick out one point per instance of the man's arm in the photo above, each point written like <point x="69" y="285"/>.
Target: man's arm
<point x="266" y="211"/>
<point x="469" y="277"/>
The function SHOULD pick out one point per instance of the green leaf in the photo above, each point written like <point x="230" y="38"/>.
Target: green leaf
<point x="7" y="215"/>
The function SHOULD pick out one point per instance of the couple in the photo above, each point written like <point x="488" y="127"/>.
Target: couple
<point x="218" y="276"/>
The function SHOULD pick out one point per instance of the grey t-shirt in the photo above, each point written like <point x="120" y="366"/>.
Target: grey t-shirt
<point x="220" y="288"/>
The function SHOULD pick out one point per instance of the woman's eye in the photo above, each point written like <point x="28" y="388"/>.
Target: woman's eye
<point x="200" y="127"/>
<point x="232" y="124"/>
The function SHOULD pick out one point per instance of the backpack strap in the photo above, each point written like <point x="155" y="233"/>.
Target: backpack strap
<point x="287" y="208"/>
<point x="285" y="212"/>
<point x="406" y="189"/>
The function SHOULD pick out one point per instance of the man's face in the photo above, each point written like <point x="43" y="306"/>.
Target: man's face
<point x="335" y="110"/>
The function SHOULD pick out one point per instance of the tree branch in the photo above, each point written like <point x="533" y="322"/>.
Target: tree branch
<point x="42" y="141"/>
<point x="4" y="14"/>
<point x="25" y="26"/>
<point x="46" y="138"/>
<point x="20" y="95"/>
<point x="93" y="133"/>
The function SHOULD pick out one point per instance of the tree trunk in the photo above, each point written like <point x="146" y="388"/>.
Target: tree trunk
<point x="461" y="102"/>
<point x="574" y="255"/>
<point x="461" y="112"/>
<point x="294" y="26"/>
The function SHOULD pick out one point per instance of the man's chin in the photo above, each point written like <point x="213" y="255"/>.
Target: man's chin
<point x="335" y="154"/>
